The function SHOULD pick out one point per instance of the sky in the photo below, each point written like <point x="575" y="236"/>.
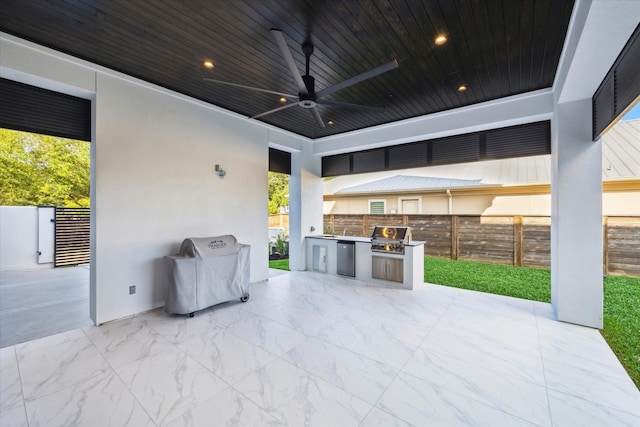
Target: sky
<point x="634" y="113"/>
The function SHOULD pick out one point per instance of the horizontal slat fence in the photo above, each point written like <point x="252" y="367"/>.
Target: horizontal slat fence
<point x="536" y="241"/>
<point x="622" y="245"/>
<point x="512" y="240"/>
<point x="72" y="231"/>
<point x="486" y="239"/>
<point x="435" y="231"/>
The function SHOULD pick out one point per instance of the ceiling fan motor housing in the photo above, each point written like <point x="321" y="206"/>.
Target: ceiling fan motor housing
<point x="307" y="97"/>
<point x="307" y="103"/>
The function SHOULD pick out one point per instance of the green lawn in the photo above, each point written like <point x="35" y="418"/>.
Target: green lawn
<point x="621" y="298"/>
<point x="280" y="264"/>
<point x="622" y="321"/>
<point x="519" y="282"/>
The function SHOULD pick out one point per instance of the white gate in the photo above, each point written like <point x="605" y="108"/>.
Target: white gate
<point x="46" y="234"/>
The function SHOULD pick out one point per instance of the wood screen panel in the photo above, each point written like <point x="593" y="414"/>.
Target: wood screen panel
<point x="434" y="231"/>
<point x="73" y="230"/>
<point x="623" y="241"/>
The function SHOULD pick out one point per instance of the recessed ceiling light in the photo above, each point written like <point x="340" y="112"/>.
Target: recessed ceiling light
<point x="208" y="64"/>
<point x="283" y="99"/>
<point x="440" y="40"/>
<point x="462" y="88"/>
<point x="330" y="122"/>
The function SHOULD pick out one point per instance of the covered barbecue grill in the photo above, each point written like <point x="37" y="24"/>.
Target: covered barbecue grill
<point x="208" y="271"/>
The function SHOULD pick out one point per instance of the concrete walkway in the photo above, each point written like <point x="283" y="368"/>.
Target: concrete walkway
<point x="39" y="303"/>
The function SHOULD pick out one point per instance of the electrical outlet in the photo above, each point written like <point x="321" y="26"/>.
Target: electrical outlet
<point x="132" y="290"/>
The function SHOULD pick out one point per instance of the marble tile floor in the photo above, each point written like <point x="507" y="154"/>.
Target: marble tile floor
<point x="316" y="350"/>
<point x="42" y="302"/>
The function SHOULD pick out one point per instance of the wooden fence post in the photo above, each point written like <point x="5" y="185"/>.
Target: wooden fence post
<point x="365" y="225"/>
<point x="454" y="237"/>
<point x="517" y="240"/>
<point x="605" y="245"/>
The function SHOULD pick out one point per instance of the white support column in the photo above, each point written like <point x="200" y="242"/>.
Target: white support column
<point x="576" y="216"/>
<point x="305" y="202"/>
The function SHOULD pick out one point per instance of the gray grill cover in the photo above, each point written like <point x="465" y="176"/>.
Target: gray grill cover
<point x="208" y="271"/>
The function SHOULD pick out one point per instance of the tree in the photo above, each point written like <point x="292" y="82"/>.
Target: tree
<point x="278" y="192"/>
<point x="43" y="170"/>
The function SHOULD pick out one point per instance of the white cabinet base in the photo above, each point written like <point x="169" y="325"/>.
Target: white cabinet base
<point x="412" y="262"/>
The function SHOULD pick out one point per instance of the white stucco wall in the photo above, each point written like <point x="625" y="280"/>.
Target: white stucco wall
<point x="154" y="183"/>
<point x="18" y="237"/>
<point x="304" y="205"/>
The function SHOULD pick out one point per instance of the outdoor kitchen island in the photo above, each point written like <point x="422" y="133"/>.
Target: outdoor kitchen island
<point x="399" y="270"/>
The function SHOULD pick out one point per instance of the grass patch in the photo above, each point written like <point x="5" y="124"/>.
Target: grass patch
<point x="279" y="264"/>
<point x="520" y="282"/>
<point x="622" y="321"/>
<point x="621" y="298"/>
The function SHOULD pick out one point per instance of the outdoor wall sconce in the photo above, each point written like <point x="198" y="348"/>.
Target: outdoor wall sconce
<point x="221" y="171"/>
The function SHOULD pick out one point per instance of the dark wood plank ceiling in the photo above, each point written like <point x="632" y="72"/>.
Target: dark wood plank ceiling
<point x="496" y="48"/>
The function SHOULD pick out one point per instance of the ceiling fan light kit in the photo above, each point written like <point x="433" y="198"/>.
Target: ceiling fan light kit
<point x="307" y="96"/>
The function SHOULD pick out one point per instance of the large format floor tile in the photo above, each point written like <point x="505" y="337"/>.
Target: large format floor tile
<point x="267" y="334"/>
<point x="301" y="399"/>
<point x="170" y="384"/>
<point x="506" y="393"/>
<point x="385" y="349"/>
<point x="52" y="369"/>
<point x="15" y="417"/>
<point x="225" y="354"/>
<point x="310" y="349"/>
<point x="228" y="408"/>
<point x="422" y="403"/>
<point x="102" y="400"/>
<point x="359" y="375"/>
<point x="127" y="341"/>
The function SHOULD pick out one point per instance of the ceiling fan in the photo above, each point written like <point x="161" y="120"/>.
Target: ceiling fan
<point x="307" y="96"/>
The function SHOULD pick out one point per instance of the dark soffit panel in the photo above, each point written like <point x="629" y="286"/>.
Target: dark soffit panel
<point x="32" y="109"/>
<point x="279" y="161"/>
<point x="619" y="88"/>
<point x="530" y="139"/>
<point x="496" y="48"/>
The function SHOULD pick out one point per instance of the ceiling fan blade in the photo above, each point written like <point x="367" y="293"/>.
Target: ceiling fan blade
<point x="359" y="78"/>
<point x="316" y="114"/>
<point x="350" y="105"/>
<point x="286" y="95"/>
<point x="293" y="104"/>
<point x="286" y="53"/>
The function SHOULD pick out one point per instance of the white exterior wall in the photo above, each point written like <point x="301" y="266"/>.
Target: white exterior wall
<point x="153" y="157"/>
<point x="155" y="185"/>
<point x="305" y="204"/>
<point x="19" y="238"/>
<point x="614" y="203"/>
<point x="576" y="217"/>
<point x="621" y="203"/>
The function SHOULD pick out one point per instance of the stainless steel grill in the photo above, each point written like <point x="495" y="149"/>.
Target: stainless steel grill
<point x="390" y="239"/>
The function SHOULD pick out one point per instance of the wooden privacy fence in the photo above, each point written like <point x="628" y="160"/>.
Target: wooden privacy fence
<point x="280" y="221"/>
<point x="72" y="230"/>
<point x="513" y="240"/>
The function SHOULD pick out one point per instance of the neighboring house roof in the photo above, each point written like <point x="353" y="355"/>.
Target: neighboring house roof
<point x="620" y="159"/>
<point x="621" y="150"/>
<point x="408" y="183"/>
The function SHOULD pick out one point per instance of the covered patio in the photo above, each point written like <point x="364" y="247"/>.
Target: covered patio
<point x="309" y="349"/>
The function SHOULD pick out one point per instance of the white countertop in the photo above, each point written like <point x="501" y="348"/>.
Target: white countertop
<point x="356" y="239"/>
